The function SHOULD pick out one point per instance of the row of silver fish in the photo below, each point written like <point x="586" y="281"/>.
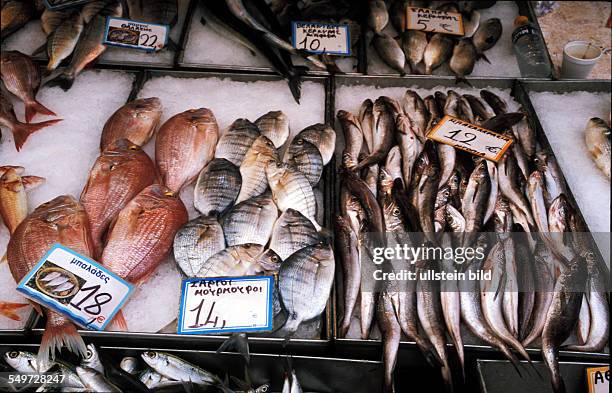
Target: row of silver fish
<point x="424" y="52"/>
<point x="396" y="181"/>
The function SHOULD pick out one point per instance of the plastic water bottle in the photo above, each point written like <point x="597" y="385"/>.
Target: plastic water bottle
<point x="529" y="49"/>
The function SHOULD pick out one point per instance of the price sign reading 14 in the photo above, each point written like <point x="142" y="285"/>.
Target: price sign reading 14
<point x="77" y="287"/>
<point x="471" y="138"/>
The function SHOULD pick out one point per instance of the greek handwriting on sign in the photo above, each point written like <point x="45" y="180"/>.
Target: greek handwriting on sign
<point x="436" y="21"/>
<point x="321" y="38"/>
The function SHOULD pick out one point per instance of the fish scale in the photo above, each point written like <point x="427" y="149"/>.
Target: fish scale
<point x="197" y="241"/>
<point x="250" y="221"/>
<point x="291" y="190"/>
<point x="217" y="187"/>
<point x="241" y="260"/>
<point x="236" y="140"/>
<point x="292" y="232"/>
<point x="306" y="158"/>
<point x="253" y="168"/>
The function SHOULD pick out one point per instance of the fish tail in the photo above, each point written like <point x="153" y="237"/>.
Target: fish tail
<point x="63" y="80"/>
<point x="428" y="351"/>
<point x="483" y="57"/>
<point x="119" y="323"/>
<point x="238" y="343"/>
<point x="59" y="333"/>
<point x="447" y="377"/>
<point x="462" y="79"/>
<point x="4" y="259"/>
<point x="9" y="309"/>
<point x="295" y="85"/>
<point x="22" y="131"/>
<point x="33" y="107"/>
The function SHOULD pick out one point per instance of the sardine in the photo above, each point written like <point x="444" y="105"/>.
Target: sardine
<point x="275" y="126"/>
<point x="597" y="139"/>
<point x="323" y="137"/>
<point x="250" y="221"/>
<point x="195" y="242"/>
<point x="241" y="260"/>
<point x="292" y="232"/>
<point x="185" y="143"/>
<point x="92" y="359"/>
<point x="175" y="368"/>
<point x="117" y="176"/>
<point x="347" y="245"/>
<point x="26" y="362"/>
<point x="390" y="52"/>
<point x="306" y="158"/>
<point x="135" y="121"/>
<point x="13" y="197"/>
<point x="217" y="187"/>
<point x="438" y="50"/>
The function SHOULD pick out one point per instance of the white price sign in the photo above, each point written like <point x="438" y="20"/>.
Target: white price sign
<point x="133" y="34"/>
<point x="53" y="5"/>
<point x="77" y="287"/>
<point x="599" y="379"/>
<point x="328" y="38"/>
<point x="225" y="305"/>
<point x="435" y="21"/>
<point x="471" y="138"/>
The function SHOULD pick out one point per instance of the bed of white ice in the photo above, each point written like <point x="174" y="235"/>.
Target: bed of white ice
<point x="31" y="37"/>
<point x="9" y="294"/>
<point x="503" y="61"/>
<point x="564" y="118"/>
<point x="205" y="46"/>
<point x="64" y="152"/>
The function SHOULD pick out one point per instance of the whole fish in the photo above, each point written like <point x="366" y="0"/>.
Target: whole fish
<point x="143" y="232"/>
<point x="383" y="133"/>
<point x="135" y="121"/>
<point x="390" y="52"/>
<point x="562" y="317"/>
<point x="508" y="185"/>
<point x="426" y="193"/>
<point x="250" y="221"/>
<point x="217" y="187"/>
<point x="481" y="110"/>
<point x="117" y="176"/>
<point x="438" y="50"/>
<point x="21" y="77"/>
<point x="430" y="314"/>
<point x="416" y="111"/>
<point x="292" y="232"/>
<point x="391" y="333"/>
<point x="486" y="36"/>
<point x="510" y="297"/>
<point x="553" y="177"/>
<point x="353" y="138"/>
<point x="89" y="47"/>
<point x="463" y="59"/>
<point x="61" y="220"/>
<point x="305" y="281"/>
<point x="62" y="41"/>
<point x="413" y="44"/>
<point x="306" y="158"/>
<point x="13" y="198"/>
<point x="26" y="362"/>
<point x="410" y="146"/>
<point x="164" y="12"/>
<point x="15" y="14"/>
<point x="195" y="242"/>
<point x="292" y="190"/>
<point x="51" y="19"/>
<point x="367" y="121"/>
<point x="21" y="131"/>
<point x="347" y="244"/>
<point x="92" y="359"/>
<point x="275" y="126"/>
<point x="323" y="137"/>
<point x="597" y="139"/>
<point x="367" y="200"/>
<point x="471" y="22"/>
<point x="185" y="143"/>
<point x="497" y="103"/>
<point x="474" y="202"/>
<point x="537" y="189"/>
<point x="378" y="16"/>
<point x="236" y="141"/>
<point x="175" y="368"/>
<point x="241" y="260"/>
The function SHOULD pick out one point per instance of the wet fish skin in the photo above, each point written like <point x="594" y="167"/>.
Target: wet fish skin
<point x="62" y="41"/>
<point x="410" y="147"/>
<point x="353" y="138"/>
<point x="527" y="137"/>
<point x="305" y="281"/>
<point x="143" y="233"/>
<point x="26" y="362"/>
<point x="553" y="177"/>
<point x="13" y="197"/>
<point x="241" y="260"/>
<point x="306" y="158"/>
<point x="597" y="139"/>
<point x="466" y="110"/>
<point x="135" y="121"/>
<point x="292" y="231"/>
<point x="15" y="14"/>
<point x="417" y="113"/>
<point x="275" y="126"/>
<point x="117" y="176"/>
<point x="427" y="191"/>
<point x="250" y="221"/>
<point x="185" y="143"/>
<point x="391" y="334"/>
<point x="195" y="242"/>
<point x="367" y="200"/>
<point x="390" y="52"/>
<point x="92" y="359"/>
<point x="367" y="121"/>
<point x="413" y="44"/>
<point x="474" y="202"/>
<point x="510" y="298"/>
<point x="383" y="133"/>
<point x="508" y="178"/>
<point x="236" y="141"/>
<point x="463" y="59"/>
<point x="497" y="103"/>
<point x="217" y="187"/>
<point x="487" y="35"/>
<point x="175" y="368"/>
<point x="50" y="20"/>
<point x="323" y="137"/>
<point x="347" y="245"/>
<point x="438" y="50"/>
<point x="378" y="16"/>
<point x="480" y="109"/>
<point x="562" y="317"/>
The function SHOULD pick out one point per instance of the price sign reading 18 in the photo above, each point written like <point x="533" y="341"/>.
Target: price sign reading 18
<point x="77" y="287"/>
<point x="133" y="34"/>
<point x="328" y="38"/>
<point x="471" y="138"/>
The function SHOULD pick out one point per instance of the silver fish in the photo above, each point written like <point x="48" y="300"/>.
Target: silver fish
<point x="195" y="242"/>
<point x="253" y="168"/>
<point x="553" y="177"/>
<point x="92" y="359"/>
<point x="410" y="146"/>
<point x="323" y="137"/>
<point x="353" y="138"/>
<point x="26" y="362"/>
<point x="236" y="140"/>
<point x="292" y="232"/>
<point x="413" y="44"/>
<point x="438" y="50"/>
<point x="306" y="158"/>
<point x="217" y="187"/>
<point x="175" y="368"/>
<point x="275" y="126"/>
<point x="241" y="260"/>
<point x="347" y="245"/>
<point x="390" y="52"/>
<point x="250" y="221"/>
<point x="129" y="364"/>
<point x="474" y="202"/>
<point x="415" y="109"/>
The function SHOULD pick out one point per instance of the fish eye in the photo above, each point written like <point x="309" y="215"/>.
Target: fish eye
<point x="274" y="258"/>
<point x="279" y="164"/>
<point x="89" y="354"/>
<point x="299" y="141"/>
<point x="446" y="194"/>
<point x="13" y="354"/>
<point x="169" y="193"/>
<point x="151" y="354"/>
<point x="396" y="211"/>
<point x="133" y="147"/>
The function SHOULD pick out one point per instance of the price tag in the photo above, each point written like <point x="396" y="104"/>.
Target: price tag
<point x="224" y="305"/>
<point x="435" y="21"/>
<point x="471" y="138"/>
<point x="598" y="379"/>
<point x="77" y="287"/>
<point x="328" y="38"/>
<point x="53" y="5"/>
<point x="137" y="35"/>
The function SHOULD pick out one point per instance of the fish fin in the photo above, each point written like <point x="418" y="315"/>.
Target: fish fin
<point x="33" y="107"/>
<point x="9" y="310"/>
<point x="57" y="336"/>
<point x="40" y="50"/>
<point x="4" y="259"/>
<point x="483" y="57"/>
<point x="462" y="80"/>
<point x="203" y="21"/>
<point x="22" y="131"/>
<point x="64" y="81"/>
<point x="31" y="182"/>
<point x="118" y="324"/>
<point x="238" y="343"/>
<point x="295" y="83"/>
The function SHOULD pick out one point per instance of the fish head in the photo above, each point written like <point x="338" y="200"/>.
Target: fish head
<point x="275" y="171"/>
<point x="153" y="359"/>
<point x="147" y="108"/>
<point x="199" y="117"/>
<point x="129" y="364"/>
<point x="269" y="261"/>
<point x="442" y="196"/>
<point x="385" y="180"/>
<point x="58" y="211"/>
<point x="541" y="160"/>
<point x="20" y="360"/>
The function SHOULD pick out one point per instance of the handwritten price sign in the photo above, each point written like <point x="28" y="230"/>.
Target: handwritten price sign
<point x="471" y="138"/>
<point x="435" y="21"/>
<point x="133" y="34"/>
<point x="328" y="38"/>
<point x="598" y="379"/>
<point x="225" y="305"/>
<point x="77" y="287"/>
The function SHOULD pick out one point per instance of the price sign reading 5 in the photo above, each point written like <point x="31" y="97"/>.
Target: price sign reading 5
<point x="436" y="21"/>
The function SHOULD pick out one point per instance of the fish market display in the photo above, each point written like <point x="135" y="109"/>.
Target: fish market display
<point x="512" y="210"/>
<point x="597" y="139"/>
<point x="135" y="121"/>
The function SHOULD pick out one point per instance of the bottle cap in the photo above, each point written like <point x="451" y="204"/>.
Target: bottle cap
<point x="521" y="20"/>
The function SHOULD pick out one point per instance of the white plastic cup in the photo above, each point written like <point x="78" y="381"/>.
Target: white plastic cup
<point x="579" y="58"/>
